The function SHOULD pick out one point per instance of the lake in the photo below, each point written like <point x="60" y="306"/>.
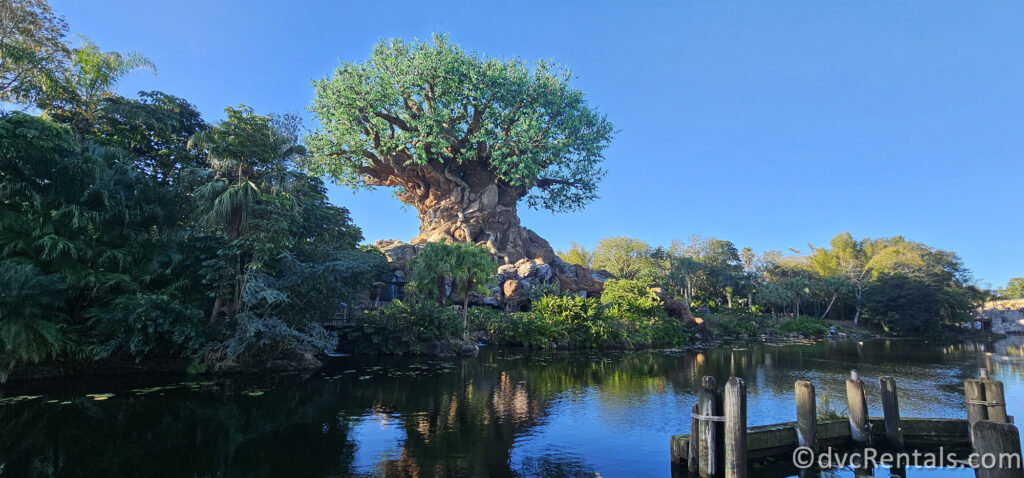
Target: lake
<point x="507" y="412"/>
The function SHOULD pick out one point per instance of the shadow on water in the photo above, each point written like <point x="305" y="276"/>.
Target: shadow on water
<point x="504" y="413"/>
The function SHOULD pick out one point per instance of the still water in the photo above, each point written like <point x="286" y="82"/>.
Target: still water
<point x="507" y="412"/>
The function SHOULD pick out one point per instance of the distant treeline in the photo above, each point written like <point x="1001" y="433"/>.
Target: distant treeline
<point x="898" y="285"/>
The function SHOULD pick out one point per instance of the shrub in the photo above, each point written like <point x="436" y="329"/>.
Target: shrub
<point x="630" y="321"/>
<point x="484" y="319"/>
<point x="805" y="325"/>
<point x="581" y="319"/>
<point x="530" y="330"/>
<point x="631" y="299"/>
<point x="733" y="323"/>
<point x="401" y="326"/>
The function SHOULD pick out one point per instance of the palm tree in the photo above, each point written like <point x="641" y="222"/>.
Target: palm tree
<point x="249" y="155"/>
<point x="31" y="322"/>
<point x="467" y="265"/>
<point x="76" y="97"/>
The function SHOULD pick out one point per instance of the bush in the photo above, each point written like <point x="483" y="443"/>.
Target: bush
<point x="578" y="320"/>
<point x="628" y="321"/>
<point x="805" y="325"/>
<point x="731" y="323"/>
<point x="631" y="299"/>
<point x="401" y="326"/>
<point x="640" y="316"/>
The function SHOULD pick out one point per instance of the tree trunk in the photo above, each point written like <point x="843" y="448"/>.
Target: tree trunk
<point x="833" y="301"/>
<point x="232" y="231"/>
<point x="484" y="215"/>
<point x="465" y="311"/>
<point x="442" y="291"/>
<point x="217" y="304"/>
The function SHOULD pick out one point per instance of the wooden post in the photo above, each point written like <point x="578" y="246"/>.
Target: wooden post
<point x="996" y="407"/>
<point x="891" y="412"/>
<point x="735" y="428"/>
<point x="998" y="449"/>
<point x="806" y="414"/>
<point x="858" y="410"/>
<point x="974" y="394"/>
<point x="708" y="440"/>
<point x="693" y="453"/>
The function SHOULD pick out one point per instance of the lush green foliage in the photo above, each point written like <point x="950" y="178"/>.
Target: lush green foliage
<point x="733" y="323"/>
<point x="632" y="300"/>
<point x="468" y="266"/>
<point x="914" y="306"/>
<point x="33" y="52"/>
<point x="401" y="327"/>
<point x="577" y="254"/>
<point x="1014" y="289"/>
<point x="804" y="325"/>
<point x="633" y="320"/>
<point x="836" y="282"/>
<point x="630" y="258"/>
<point x="413" y="107"/>
<point x="131" y="229"/>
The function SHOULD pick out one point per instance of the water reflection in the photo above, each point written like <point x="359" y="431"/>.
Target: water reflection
<point x="504" y="413"/>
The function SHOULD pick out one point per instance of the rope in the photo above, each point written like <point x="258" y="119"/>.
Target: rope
<point x="983" y="402"/>
<point x="708" y="418"/>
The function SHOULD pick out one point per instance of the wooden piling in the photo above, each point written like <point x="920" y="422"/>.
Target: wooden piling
<point x="974" y="395"/>
<point x="858" y="410"/>
<point x="708" y="457"/>
<point x="735" y="398"/>
<point x="806" y="414"/>
<point x="891" y="412"/>
<point x="998" y="448"/>
<point x="693" y="450"/>
<point x="996" y="407"/>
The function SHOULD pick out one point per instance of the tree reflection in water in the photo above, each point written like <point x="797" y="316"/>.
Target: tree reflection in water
<point x="504" y="413"/>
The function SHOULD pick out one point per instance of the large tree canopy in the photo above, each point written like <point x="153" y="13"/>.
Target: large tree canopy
<point x="460" y="136"/>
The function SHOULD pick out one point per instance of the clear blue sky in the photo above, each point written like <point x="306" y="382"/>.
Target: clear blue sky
<point x="771" y="124"/>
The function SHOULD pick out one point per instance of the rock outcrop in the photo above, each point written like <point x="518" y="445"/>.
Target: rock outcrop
<point x="1006" y="316"/>
<point x="514" y="280"/>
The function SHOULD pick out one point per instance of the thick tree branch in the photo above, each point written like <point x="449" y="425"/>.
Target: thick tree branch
<point x="545" y="183"/>
<point x="394" y="120"/>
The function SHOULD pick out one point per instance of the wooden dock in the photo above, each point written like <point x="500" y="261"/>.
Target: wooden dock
<point x="725" y="446"/>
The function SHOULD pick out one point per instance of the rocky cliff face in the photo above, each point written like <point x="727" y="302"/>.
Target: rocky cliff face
<point x="515" y="280"/>
<point x="1006" y="316"/>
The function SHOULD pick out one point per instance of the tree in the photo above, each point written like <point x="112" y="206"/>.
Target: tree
<point x="798" y="289"/>
<point x="33" y="52"/>
<point x="628" y="258"/>
<point x="93" y="74"/>
<point x="156" y="129"/>
<point x="29" y="305"/>
<point x="774" y="295"/>
<point x="909" y="305"/>
<point x="468" y="266"/>
<point x="861" y="261"/>
<point x="462" y="138"/>
<point x="249" y="156"/>
<point x="472" y="270"/>
<point x="577" y="254"/>
<point x="83" y="213"/>
<point x="719" y="268"/>
<point x="1014" y="289"/>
